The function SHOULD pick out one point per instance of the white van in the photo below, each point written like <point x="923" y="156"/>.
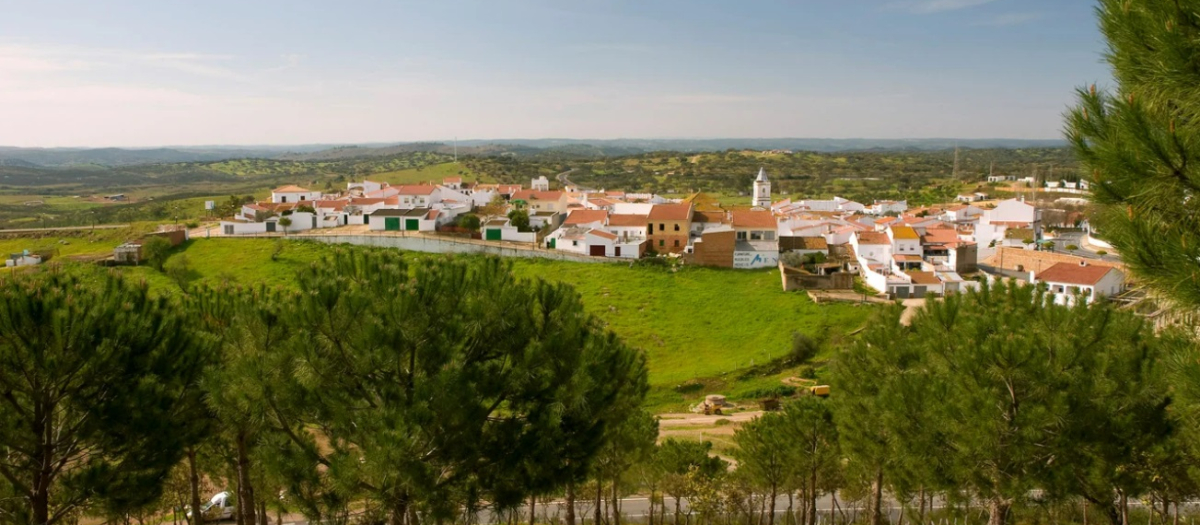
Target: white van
<point x="220" y="507"/>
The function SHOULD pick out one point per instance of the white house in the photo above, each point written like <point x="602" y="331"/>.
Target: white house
<point x="886" y="207"/>
<point x="362" y="188"/>
<point x="503" y="230"/>
<point x="292" y="193"/>
<point x="1012" y="213"/>
<point x="540" y="184"/>
<point x="1069" y="281"/>
<point x="585" y="218"/>
<point x="628" y="227"/>
<point x="22" y="259"/>
<point x="392" y="219"/>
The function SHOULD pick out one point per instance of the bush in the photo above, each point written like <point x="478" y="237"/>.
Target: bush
<point x="469" y="221"/>
<point x="1072" y="247"/>
<point x="804" y="348"/>
<point x="191" y="225"/>
<point x="777" y="391"/>
<point x="155" y="250"/>
<point x="808" y="372"/>
<point x="1102" y="253"/>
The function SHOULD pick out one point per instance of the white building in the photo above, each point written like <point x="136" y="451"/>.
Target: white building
<point x="1010" y="214"/>
<point x="762" y="190"/>
<point x="1070" y="282"/>
<point x="540" y="184"/>
<point x="292" y="193"/>
<point x="886" y="207"/>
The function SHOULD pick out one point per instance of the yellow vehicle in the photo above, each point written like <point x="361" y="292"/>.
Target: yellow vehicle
<point x="819" y="390"/>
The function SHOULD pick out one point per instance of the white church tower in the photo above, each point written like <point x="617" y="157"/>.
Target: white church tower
<point x="762" y="190"/>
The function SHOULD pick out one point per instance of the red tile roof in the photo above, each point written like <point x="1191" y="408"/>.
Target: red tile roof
<point x="1073" y="273"/>
<point x="627" y="220"/>
<point x="582" y="216"/>
<point x="754" y="219"/>
<point x="923" y="277"/>
<point x="873" y="238"/>
<point x="603" y="234"/>
<point x="533" y="195"/>
<point x="671" y="212"/>
<point x="904" y="232"/>
<point x="940" y="236"/>
<point x="291" y="188"/>
<point x="334" y="205"/>
<point x="416" y="189"/>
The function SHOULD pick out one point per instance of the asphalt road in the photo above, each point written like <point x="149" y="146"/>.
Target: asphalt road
<point x="636" y="509"/>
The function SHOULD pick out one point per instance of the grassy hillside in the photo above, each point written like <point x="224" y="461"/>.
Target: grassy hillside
<point x="709" y="330"/>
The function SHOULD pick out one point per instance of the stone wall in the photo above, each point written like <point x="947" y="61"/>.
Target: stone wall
<point x="1022" y="260"/>
<point x="715" y="249"/>
<point x="448" y="245"/>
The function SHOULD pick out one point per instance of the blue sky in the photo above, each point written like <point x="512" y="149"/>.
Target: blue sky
<point x="164" y="72"/>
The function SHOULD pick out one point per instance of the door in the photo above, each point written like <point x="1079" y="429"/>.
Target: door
<point x="270" y="227"/>
<point x="391" y="224"/>
<point x="617" y="251"/>
<point x="493" y="234"/>
<point x="412" y="225"/>
<point x="553" y="243"/>
<point x="918" y="292"/>
<point x="366" y="219"/>
<point x="596" y="251"/>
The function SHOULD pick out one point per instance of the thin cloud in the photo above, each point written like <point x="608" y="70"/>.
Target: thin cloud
<point x="924" y="7"/>
<point x="1011" y="19"/>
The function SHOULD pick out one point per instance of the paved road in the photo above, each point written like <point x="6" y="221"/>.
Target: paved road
<point x="563" y="181"/>
<point x="1064" y="239"/>
<point x="636" y="509"/>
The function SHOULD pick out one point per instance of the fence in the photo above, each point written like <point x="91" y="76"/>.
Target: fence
<point x="421" y="243"/>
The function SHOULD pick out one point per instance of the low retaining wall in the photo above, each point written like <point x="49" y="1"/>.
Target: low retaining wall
<point x="433" y="245"/>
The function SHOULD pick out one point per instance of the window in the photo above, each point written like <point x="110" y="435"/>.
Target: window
<point x="676" y="243"/>
<point x="662" y="227"/>
<point x="676" y="227"/>
<point x="301" y="197"/>
<point x="770" y="236"/>
<point x="574" y="243"/>
<point x="228" y="229"/>
<point x="741" y="236"/>
<point x="756" y="236"/>
<point x="661" y="243"/>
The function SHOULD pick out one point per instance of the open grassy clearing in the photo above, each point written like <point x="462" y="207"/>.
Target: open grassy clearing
<point x="712" y="329"/>
<point x="424" y="174"/>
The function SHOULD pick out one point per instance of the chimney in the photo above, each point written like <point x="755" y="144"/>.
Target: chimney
<point x="1082" y="263"/>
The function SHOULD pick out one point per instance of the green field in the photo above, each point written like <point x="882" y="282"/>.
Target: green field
<point x="707" y="327"/>
<point x="434" y="173"/>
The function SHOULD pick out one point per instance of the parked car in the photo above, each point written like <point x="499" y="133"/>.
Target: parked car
<point x="220" y="507"/>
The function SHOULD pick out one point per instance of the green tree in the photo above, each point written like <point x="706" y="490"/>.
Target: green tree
<point x="453" y="366"/>
<point x="91" y="381"/>
<point x="469" y="221"/>
<point x="155" y="251"/>
<point x="1139" y="144"/>
<point x="678" y="459"/>
<point x="767" y="454"/>
<point x="285" y="222"/>
<point x="809" y="424"/>
<point x="519" y="219"/>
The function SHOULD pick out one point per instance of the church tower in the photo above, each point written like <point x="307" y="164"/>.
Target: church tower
<point x="762" y="190"/>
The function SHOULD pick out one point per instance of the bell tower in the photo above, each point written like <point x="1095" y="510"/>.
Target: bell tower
<point x="762" y="190"/>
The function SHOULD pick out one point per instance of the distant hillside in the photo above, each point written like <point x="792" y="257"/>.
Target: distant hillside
<point x="62" y="157"/>
<point x="632" y="146"/>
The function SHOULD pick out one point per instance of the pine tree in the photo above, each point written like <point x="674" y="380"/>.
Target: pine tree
<point x="1140" y="144"/>
<point x="93" y="378"/>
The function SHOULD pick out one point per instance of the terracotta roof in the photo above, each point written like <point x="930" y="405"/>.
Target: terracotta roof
<point x="754" y="219"/>
<point x="290" y="188"/>
<point x="603" y="234"/>
<point x="940" y="236"/>
<point x="362" y="201"/>
<point x="531" y="195"/>
<point x="904" y="232"/>
<point x="670" y="212"/>
<point x="334" y="205"/>
<point x="873" y="238"/>
<point x="810" y="243"/>
<point x="627" y="220"/>
<point x="1072" y="273"/>
<point x="585" y="216"/>
<point x="416" y="189"/>
<point x="923" y="277"/>
<point x="708" y="216"/>
<point x="907" y="257"/>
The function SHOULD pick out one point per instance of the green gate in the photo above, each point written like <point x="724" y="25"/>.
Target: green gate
<point x="553" y="243"/>
<point x="412" y="225"/>
<point x="391" y="224"/>
<point x="493" y="234"/>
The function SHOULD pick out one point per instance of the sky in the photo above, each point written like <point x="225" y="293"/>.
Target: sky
<point x="165" y="72"/>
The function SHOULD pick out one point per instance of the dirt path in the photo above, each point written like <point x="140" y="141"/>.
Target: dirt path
<point x="689" y="419"/>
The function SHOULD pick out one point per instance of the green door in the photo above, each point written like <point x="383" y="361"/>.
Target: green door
<point x="493" y="234"/>
<point x="553" y="243"/>
<point x="412" y="225"/>
<point x="391" y="224"/>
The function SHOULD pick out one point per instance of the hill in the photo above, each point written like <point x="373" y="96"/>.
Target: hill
<point x="723" y="331"/>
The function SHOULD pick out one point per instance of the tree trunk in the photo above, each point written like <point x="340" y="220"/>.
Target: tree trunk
<point x="1124" y="509"/>
<point x="39" y="500"/>
<point x="571" y="502"/>
<point x="599" y="502"/>
<point x="616" y="502"/>
<point x="921" y="511"/>
<point x="194" y="481"/>
<point x="771" y="507"/>
<point x="246" y="490"/>
<point x="812" y="492"/>
<point x="791" y="512"/>
<point x="877" y="498"/>
<point x="998" y="511"/>
<point x="677" y="511"/>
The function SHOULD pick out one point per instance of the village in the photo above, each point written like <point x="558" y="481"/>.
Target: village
<point x="897" y="251"/>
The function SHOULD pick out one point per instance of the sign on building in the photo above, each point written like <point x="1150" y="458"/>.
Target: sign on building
<point x="748" y="260"/>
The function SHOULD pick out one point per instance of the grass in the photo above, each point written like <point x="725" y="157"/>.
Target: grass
<point x="713" y="327"/>
<point x="74" y="243"/>
<point x="434" y="173"/>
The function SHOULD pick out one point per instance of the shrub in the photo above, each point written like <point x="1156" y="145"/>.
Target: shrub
<point x="191" y="225"/>
<point x="1072" y="247"/>
<point x="804" y="348"/>
<point x="155" y="250"/>
<point x="1102" y="253"/>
